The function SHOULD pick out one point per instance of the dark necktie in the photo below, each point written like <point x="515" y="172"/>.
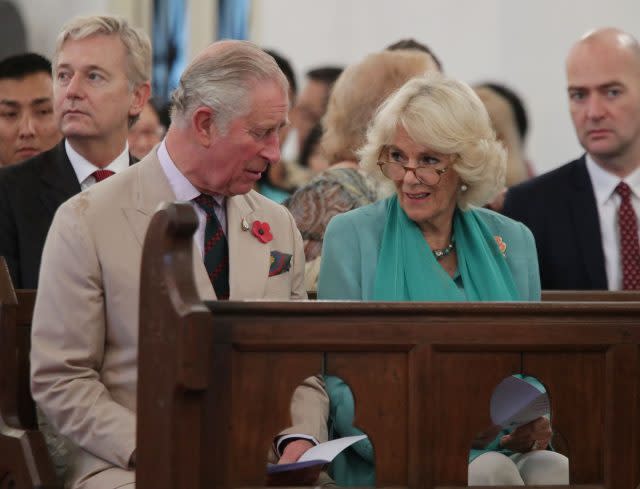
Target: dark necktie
<point x="100" y="175"/>
<point x="629" y="246"/>
<point x="216" y="249"/>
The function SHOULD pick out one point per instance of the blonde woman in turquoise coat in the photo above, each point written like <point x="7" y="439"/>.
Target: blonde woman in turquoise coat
<point x="432" y="145"/>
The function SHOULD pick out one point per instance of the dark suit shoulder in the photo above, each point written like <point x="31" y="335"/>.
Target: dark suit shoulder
<point x="544" y="193"/>
<point x="553" y="180"/>
<point x="28" y="168"/>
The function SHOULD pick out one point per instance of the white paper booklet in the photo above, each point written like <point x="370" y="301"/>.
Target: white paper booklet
<point x="321" y="454"/>
<point x="516" y="402"/>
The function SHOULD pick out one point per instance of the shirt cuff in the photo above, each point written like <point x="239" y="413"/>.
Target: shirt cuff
<point x="282" y="441"/>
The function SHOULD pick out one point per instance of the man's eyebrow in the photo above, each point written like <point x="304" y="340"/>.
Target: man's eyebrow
<point x="41" y="100"/>
<point x="10" y="103"/>
<point x="82" y="68"/>
<point x="611" y="84"/>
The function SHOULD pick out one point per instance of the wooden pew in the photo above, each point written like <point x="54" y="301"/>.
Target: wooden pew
<point x="215" y="379"/>
<point x="24" y="460"/>
<point x="590" y="296"/>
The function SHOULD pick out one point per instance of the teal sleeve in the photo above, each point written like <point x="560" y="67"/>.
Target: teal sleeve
<point x="533" y="270"/>
<point x="340" y="275"/>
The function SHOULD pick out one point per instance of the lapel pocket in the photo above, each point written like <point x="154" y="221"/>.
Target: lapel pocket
<point x="279" y="263"/>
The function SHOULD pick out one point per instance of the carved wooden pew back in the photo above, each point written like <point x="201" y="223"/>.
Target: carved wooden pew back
<point x="215" y="379"/>
<point x="24" y="460"/>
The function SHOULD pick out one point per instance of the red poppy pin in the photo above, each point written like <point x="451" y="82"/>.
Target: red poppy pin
<point x="502" y="246"/>
<point x="262" y="231"/>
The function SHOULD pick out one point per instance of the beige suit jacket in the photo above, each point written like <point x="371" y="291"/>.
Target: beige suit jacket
<point x="85" y="325"/>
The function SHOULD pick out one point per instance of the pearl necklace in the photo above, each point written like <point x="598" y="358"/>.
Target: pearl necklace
<point x="440" y="253"/>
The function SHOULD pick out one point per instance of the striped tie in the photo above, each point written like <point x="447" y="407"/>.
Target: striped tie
<point x="216" y="249"/>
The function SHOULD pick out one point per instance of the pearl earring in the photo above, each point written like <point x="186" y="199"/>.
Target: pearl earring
<point x="463" y="188"/>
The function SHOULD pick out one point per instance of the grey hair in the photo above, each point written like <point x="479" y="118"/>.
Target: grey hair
<point x="222" y="79"/>
<point x="448" y="117"/>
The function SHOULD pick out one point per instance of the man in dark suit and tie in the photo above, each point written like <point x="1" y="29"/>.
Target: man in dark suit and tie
<point x="583" y="215"/>
<point x="102" y="69"/>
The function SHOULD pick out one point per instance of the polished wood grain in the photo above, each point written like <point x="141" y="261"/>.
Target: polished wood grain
<point x="213" y="376"/>
<point x="24" y="460"/>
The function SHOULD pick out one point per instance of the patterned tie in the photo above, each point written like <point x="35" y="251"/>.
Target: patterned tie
<point x="629" y="246"/>
<point x="100" y="175"/>
<point x="216" y="250"/>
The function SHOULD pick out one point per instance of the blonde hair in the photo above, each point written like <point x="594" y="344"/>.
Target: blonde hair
<point x="136" y="42"/>
<point x="448" y="117"/>
<point x="221" y="78"/>
<point x="357" y="94"/>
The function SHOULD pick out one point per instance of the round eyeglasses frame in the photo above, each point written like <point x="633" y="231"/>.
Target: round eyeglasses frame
<point x="424" y="174"/>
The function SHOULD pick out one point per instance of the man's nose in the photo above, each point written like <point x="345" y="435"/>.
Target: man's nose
<point x="26" y="127"/>
<point x="74" y="88"/>
<point x="596" y="107"/>
<point x="271" y="151"/>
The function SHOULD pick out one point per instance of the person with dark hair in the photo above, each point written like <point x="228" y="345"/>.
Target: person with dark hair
<point x="411" y="43"/>
<point x="146" y="132"/>
<point x="27" y="123"/>
<point x="312" y="157"/>
<point x="285" y="66"/>
<point x="517" y="106"/>
<point x="277" y="183"/>
<point x="312" y="102"/>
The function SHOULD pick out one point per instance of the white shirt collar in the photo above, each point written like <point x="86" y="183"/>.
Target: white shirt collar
<point x="181" y="186"/>
<point x="604" y="183"/>
<point x="84" y="168"/>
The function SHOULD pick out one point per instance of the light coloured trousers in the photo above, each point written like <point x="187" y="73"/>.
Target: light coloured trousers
<point x="539" y="467"/>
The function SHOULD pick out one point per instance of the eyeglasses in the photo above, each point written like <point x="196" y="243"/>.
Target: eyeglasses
<point x="393" y="170"/>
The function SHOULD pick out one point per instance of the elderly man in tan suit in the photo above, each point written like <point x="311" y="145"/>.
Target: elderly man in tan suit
<point x="227" y="111"/>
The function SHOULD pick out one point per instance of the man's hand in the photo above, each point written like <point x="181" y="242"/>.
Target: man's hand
<point x="294" y="450"/>
<point x="303" y="477"/>
<point x="535" y="435"/>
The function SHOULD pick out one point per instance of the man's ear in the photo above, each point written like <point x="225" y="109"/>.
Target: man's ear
<point x="141" y="94"/>
<point x="204" y="126"/>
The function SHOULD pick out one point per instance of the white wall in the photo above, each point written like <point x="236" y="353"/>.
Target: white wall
<point x="522" y="43"/>
<point x="44" y="18"/>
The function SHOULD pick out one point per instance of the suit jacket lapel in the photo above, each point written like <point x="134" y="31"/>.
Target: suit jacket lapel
<point x="584" y="210"/>
<point x="151" y="189"/>
<point x="59" y="181"/>
<point x="248" y="256"/>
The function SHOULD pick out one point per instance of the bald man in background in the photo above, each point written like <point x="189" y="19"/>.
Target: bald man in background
<point x="583" y="215"/>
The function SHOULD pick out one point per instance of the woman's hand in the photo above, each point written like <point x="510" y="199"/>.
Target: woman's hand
<point x="535" y="435"/>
